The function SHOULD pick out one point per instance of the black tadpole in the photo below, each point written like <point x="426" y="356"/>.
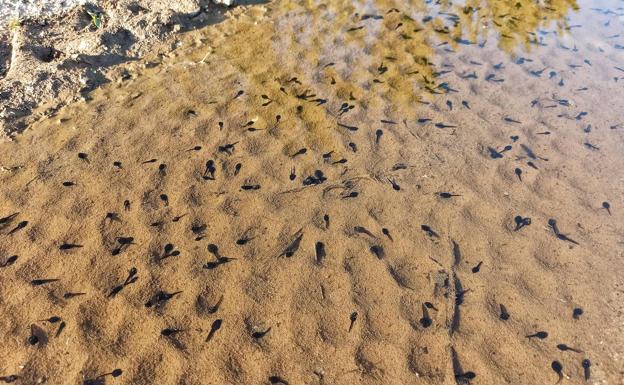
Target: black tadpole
<point x="558" y="368"/>
<point x="168" y="332"/>
<point x="9" y="379"/>
<point x="425" y="321"/>
<point x="465" y="376"/>
<point x="565" y="348"/>
<point x="320" y="252"/>
<point x="378" y="251"/>
<point x="429" y="231"/>
<point x="33" y="339"/>
<point x="114" y="373"/>
<point x="278" y="380"/>
<point x="52" y="320"/>
<point x="378" y="135"/>
<point x="292" y="175"/>
<point x="352" y="318"/>
<point x="258" y="335"/>
<point x="18" y="227"/>
<point x="577" y="313"/>
<point x="60" y="329"/>
<point x="299" y="152"/>
<point x="447" y="195"/>
<point x="553" y="224"/>
<point x="504" y="315"/>
<point x="394" y="184"/>
<point x="521" y="222"/>
<point x="216" y="325"/>
<point x="586" y="368"/>
<point x="9" y="261"/>
<point x="294" y="245"/>
<point x="539" y="335"/>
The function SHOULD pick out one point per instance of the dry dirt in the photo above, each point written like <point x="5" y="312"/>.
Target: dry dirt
<point x="51" y="60"/>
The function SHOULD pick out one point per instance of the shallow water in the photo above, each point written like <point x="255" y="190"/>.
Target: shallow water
<point x="513" y="110"/>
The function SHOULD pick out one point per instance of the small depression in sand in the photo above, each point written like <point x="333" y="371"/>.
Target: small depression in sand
<point x="343" y="192"/>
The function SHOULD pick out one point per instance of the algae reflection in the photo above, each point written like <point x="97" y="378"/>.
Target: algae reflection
<point x="516" y="24"/>
<point x="409" y="34"/>
<point x="354" y="61"/>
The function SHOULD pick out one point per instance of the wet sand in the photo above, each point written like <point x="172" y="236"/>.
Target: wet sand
<point x="242" y="244"/>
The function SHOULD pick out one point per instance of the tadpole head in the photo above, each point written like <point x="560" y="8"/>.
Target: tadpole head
<point x="556" y="366"/>
<point x="33" y="340"/>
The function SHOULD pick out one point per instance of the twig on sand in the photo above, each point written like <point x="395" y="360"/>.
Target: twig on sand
<point x="204" y="58"/>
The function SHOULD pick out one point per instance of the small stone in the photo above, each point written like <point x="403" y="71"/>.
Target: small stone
<point x="229" y="3"/>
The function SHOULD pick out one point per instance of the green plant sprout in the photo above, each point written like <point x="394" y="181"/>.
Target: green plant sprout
<point x="14" y="23"/>
<point x="97" y="18"/>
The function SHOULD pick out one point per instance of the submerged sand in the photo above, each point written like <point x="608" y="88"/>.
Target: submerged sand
<point x="140" y="197"/>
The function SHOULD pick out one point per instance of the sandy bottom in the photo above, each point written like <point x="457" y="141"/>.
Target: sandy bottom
<point x="185" y="247"/>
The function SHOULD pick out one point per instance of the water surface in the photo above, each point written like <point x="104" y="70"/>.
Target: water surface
<point x="402" y="192"/>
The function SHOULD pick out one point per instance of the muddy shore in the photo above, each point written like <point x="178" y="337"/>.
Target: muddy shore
<point x="52" y="59"/>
